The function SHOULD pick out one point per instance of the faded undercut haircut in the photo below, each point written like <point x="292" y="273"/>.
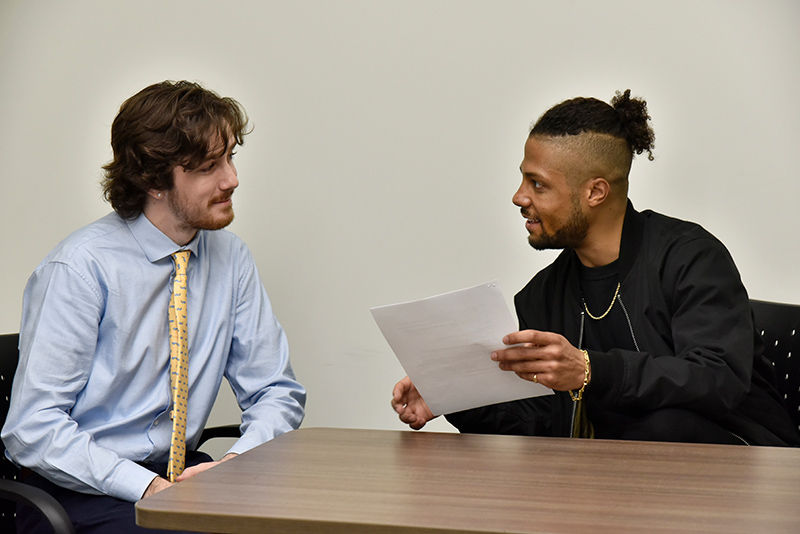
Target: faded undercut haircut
<point x="163" y="126"/>
<point x="621" y="129"/>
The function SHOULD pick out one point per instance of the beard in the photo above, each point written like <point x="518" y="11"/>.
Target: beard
<point x="196" y="217"/>
<point x="571" y="234"/>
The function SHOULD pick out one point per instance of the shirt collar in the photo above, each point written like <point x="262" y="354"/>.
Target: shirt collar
<point x="154" y="243"/>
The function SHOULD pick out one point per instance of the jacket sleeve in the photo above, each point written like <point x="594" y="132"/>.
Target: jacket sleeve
<point x="524" y="417"/>
<point x="703" y="316"/>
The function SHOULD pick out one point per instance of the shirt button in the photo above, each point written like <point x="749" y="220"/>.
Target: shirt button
<point x="155" y="423"/>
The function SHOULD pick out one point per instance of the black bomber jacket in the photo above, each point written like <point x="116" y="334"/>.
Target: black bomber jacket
<point x="690" y="319"/>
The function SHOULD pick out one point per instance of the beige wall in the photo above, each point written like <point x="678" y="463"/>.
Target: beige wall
<point x="387" y="142"/>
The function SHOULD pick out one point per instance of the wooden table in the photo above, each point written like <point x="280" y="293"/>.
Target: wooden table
<point x="368" y="481"/>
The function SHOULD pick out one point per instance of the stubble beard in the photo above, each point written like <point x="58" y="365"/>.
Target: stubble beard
<point x="195" y="219"/>
<point x="571" y="234"/>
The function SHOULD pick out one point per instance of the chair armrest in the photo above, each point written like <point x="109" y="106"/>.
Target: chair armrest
<point x="40" y="500"/>
<point x="227" y="431"/>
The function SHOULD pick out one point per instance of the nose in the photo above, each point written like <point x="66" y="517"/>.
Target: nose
<point x="520" y="198"/>
<point x="231" y="177"/>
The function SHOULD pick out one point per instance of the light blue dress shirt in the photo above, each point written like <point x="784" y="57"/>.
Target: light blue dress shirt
<point x="91" y="395"/>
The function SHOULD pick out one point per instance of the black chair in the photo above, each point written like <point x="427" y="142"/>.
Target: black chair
<point x="13" y="491"/>
<point x="780" y="327"/>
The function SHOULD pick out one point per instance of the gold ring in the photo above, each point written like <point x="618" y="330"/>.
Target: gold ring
<point x="535" y="381"/>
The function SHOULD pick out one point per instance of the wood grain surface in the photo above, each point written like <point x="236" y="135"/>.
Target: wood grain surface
<point x="324" y="480"/>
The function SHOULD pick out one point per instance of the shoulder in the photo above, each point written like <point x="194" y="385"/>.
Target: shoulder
<point x="85" y="242"/>
<point x="224" y="251"/>
<point x="225" y="245"/>
<point x="658" y="225"/>
<point x="686" y="261"/>
<point x="84" y="260"/>
<point x="668" y="237"/>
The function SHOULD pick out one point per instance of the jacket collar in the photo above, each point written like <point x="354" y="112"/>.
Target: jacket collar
<point x="629" y="248"/>
<point x="631" y="242"/>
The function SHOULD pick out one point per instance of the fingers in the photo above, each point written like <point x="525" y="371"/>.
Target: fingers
<point x="417" y="420"/>
<point x="156" y="485"/>
<point x="535" y="356"/>
<point x="409" y="404"/>
<point x="543" y="357"/>
<point x="402" y="389"/>
<point x="527" y="368"/>
<point x="418" y="425"/>
<point x="522" y="353"/>
<point x="531" y="345"/>
<point x="534" y="337"/>
<point x="191" y="471"/>
<point x="401" y="393"/>
<point x="412" y="420"/>
<point x="536" y="378"/>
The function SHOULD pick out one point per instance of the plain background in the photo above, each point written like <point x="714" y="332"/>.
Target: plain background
<point x="387" y="142"/>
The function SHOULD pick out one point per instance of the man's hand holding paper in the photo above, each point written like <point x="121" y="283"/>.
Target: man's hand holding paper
<point x="544" y="358"/>
<point x="445" y="344"/>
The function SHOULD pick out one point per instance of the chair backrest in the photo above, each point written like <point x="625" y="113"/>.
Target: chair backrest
<point x="9" y="357"/>
<point x="779" y="325"/>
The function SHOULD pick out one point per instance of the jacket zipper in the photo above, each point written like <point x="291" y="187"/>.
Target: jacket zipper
<point x="636" y="345"/>
<point x="630" y="325"/>
<point x="580" y="346"/>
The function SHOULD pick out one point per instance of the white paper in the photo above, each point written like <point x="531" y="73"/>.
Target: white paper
<point x="445" y="342"/>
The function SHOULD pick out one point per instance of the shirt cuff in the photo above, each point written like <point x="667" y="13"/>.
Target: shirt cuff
<point x="244" y="444"/>
<point x="130" y="481"/>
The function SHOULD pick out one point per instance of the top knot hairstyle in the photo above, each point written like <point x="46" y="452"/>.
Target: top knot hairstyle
<point x="626" y="118"/>
<point x="163" y="126"/>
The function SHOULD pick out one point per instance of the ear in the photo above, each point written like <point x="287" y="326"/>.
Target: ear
<point x="598" y="189"/>
<point x="156" y="194"/>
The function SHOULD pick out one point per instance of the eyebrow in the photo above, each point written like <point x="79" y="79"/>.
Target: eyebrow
<point x="529" y="173"/>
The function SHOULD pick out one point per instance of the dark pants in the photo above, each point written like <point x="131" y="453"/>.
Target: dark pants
<point x="93" y="514"/>
<point x="534" y="417"/>
<point x="668" y="424"/>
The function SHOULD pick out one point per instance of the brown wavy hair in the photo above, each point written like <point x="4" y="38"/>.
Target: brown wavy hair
<point x="163" y="126"/>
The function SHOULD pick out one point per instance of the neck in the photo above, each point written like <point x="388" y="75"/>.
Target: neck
<point x="158" y="213"/>
<point x="603" y="239"/>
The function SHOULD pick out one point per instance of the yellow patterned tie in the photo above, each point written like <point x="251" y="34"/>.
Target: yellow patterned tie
<point x="179" y="365"/>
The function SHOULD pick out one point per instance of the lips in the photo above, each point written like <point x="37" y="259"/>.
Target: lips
<point x="529" y="217"/>
<point x="222" y="200"/>
<point x="531" y="222"/>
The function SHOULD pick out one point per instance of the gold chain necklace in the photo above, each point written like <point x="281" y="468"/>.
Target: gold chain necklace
<point x="585" y="307"/>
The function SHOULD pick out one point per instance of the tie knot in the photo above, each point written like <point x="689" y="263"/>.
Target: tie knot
<point x="181" y="259"/>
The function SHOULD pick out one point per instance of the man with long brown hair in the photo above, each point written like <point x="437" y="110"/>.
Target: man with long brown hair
<point x="96" y="399"/>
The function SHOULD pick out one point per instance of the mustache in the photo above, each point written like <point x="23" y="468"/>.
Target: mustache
<point x="222" y="198"/>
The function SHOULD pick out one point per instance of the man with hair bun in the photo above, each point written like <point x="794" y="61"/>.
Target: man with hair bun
<point x="641" y="326"/>
<point x="96" y="409"/>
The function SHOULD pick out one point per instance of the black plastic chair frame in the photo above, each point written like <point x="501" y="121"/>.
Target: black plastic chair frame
<point x="779" y="325"/>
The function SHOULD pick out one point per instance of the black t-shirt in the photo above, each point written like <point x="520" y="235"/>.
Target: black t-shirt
<point x="598" y="286"/>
